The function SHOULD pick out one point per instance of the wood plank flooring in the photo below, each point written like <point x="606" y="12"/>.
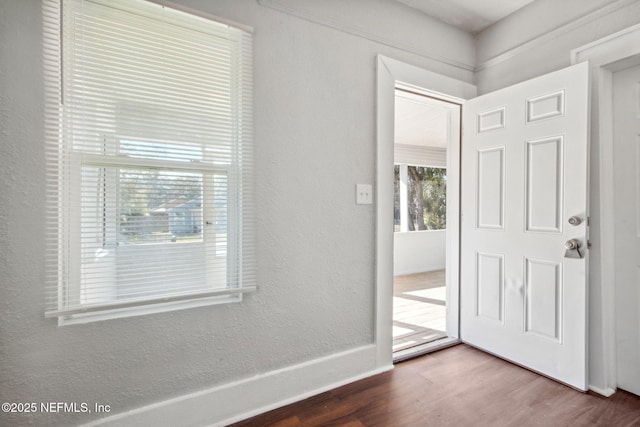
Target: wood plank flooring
<point x="458" y="386"/>
<point x="419" y="309"/>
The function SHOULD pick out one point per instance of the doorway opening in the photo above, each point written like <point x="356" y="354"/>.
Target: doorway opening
<point x="391" y="75"/>
<point x="512" y="295"/>
<point x="426" y="129"/>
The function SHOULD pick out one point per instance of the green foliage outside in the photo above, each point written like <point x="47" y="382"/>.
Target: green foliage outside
<point x="427" y="198"/>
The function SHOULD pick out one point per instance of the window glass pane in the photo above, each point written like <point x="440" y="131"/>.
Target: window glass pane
<point x="138" y="206"/>
<point x="396" y="198"/>
<point x="159" y="206"/>
<point x="427" y="198"/>
<point x="151" y="232"/>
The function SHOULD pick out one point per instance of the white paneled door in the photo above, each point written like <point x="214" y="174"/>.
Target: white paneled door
<point x="524" y="224"/>
<point x="626" y="152"/>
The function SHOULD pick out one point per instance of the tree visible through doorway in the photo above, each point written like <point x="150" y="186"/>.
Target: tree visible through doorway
<point x="426" y="198"/>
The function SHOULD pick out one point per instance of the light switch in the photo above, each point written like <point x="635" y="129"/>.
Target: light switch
<point x="364" y="194"/>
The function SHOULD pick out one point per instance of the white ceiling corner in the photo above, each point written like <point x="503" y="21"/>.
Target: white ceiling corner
<point x="471" y="16"/>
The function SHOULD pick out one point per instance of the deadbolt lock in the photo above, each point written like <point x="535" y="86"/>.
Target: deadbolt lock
<point x="574" y="220"/>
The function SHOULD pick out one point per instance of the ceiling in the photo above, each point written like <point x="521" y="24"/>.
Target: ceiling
<point x="471" y="16"/>
<point x="420" y="120"/>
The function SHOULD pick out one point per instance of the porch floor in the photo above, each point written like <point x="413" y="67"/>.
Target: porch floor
<point x="419" y="309"/>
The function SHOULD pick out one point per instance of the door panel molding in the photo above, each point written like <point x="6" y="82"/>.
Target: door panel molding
<point x="489" y="289"/>
<point x="492" y="120"/>
<point x="545" y="107"/>
<point x="490" y="186"/>
<point x="544" y="189"/>
<point x="543" y="282"/>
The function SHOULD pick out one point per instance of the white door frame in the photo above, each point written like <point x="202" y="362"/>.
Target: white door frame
<point x="389" y="73"/>
<point x="605" y="56"/>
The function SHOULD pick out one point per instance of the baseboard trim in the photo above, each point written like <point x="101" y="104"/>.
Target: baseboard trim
<point x="229" y="403"/>
<point x="606" y="392"/>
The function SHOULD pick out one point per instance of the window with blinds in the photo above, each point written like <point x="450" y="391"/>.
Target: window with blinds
<point x="149" y="128"/>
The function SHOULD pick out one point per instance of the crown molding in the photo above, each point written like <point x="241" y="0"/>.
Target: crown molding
<point x="287" y="8"/>
<point x="553" y="34"/>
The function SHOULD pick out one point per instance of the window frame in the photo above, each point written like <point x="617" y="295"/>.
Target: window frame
<point x="65" y="168"/>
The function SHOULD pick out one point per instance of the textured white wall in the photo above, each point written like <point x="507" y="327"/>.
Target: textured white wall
<point x="314" y="139"/>
<point x="531" y="52"/>
<point x="418" y="251"/>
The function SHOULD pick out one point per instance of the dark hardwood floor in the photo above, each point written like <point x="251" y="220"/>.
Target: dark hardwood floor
<point x="458" y="386"/>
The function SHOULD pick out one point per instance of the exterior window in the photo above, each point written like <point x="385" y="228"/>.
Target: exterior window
<point x="420" y="199"/>
<point x="150" y="159"/>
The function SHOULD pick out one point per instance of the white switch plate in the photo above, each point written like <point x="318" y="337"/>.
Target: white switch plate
<point x="364" y="194"/>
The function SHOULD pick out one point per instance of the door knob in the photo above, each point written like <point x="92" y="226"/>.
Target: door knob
<point x="572" y="245"/>
<point x="574" y="220"/>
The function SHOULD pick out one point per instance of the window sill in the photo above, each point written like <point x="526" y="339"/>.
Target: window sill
<point x="141" y="310"/>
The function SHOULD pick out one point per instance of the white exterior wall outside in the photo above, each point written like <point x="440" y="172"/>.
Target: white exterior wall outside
<point x="418" y="251"/>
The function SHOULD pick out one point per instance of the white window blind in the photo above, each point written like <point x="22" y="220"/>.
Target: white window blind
<point x="149" y="129"/>
<point x="420" y="155"/>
